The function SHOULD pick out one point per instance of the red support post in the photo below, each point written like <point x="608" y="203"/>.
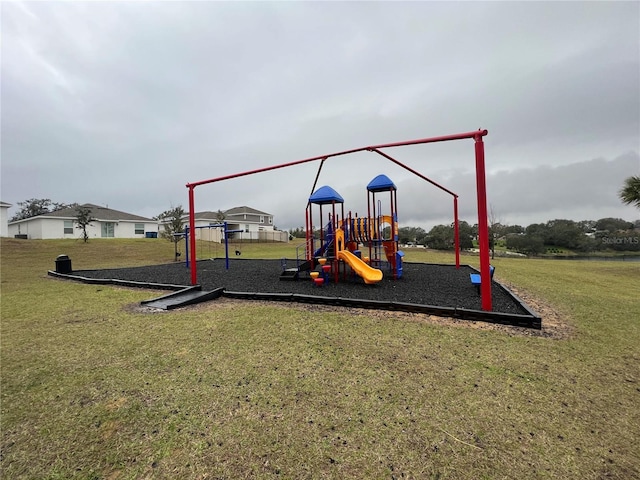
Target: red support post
<point x="192" y="237"/>
<point x="483" y="226"/>
<point x="308" y="233"/>
<point x="456" y="231"/>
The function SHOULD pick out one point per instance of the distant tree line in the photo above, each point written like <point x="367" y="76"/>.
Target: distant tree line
<point x="583" y="236"/>
<point x="538" y="238"/>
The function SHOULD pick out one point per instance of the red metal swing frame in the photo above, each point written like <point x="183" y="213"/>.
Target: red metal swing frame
<point x="481" y="191"/>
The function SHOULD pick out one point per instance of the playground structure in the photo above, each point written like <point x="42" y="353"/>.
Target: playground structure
<point x="435" y="289"/>
<point x="342" y="235"/>
<point x="483" y="227"/>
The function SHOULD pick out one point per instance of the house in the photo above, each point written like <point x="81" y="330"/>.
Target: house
<point x="248" y="223"/>
<point x="249" y="220"/>
<point x="204" y="220"/>
<point x="108" y="223"/>
<point x="4" y="219"/>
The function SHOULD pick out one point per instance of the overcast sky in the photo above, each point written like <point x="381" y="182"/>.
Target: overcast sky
<point x="123" y="103"/>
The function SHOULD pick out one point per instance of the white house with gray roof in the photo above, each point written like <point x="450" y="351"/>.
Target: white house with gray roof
<point x="248" y="219"/>
<point x="109" y="223"/>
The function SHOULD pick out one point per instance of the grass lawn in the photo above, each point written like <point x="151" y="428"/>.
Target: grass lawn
<point x="93" y="387"/>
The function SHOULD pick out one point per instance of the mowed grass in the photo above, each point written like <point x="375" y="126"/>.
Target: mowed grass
<point x="92" y="387"/>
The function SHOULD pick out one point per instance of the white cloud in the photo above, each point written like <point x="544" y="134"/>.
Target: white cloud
<point x="125" y="102"/>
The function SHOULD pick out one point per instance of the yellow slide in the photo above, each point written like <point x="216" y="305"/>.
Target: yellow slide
<point x="369" y="274"/>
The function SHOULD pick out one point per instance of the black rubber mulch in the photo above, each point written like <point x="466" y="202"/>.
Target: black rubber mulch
<point x="423" y="284"/>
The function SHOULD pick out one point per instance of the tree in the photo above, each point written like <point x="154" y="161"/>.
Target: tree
<point x="513" y="229"/>
<point x="564" y="233"/>
<point x="83" y="220"/>
<point x="38" y="206"/>
<point x="411" y="234"/>
<point x="298" y="232"/>
<point x="466" y="233"/>
<point x="496" y="230"/>
<point x="220" y="216"/>
<point x="173" y="223"/>
<point x="440" y="237"/>
<point x="536" y="229"/>
<point x="630" y="192"/>
<point x="610" y="225"/>
<point x="526" y="244"/>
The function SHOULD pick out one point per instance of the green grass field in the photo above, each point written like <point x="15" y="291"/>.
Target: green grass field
<point x="93" y="387"/>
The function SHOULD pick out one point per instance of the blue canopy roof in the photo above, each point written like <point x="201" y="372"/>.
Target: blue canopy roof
<point x="324" y="195"/>
<point x="381" y="183"/>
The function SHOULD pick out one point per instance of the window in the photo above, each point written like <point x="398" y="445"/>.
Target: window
<point x="68" y="227"/>
<point x="261" y="218"/>
<point x="139" y="229"/>
<point x="108" y="230"/>
<point x="270" y="220"/>
<point x="246" y="228"/>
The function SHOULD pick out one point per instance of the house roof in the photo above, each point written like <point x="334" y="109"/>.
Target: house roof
<point x="381" y="183"/>
<point x="213" y="216"/>
<point x="243" y="210"/>
<point x="325" y="195"/>
<point x="100" y="213"/>
<point x="4" y="204"/>
<point x="205" y="215"/>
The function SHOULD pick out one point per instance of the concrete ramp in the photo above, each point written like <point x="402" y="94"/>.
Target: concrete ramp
<point x="186" y="296"/>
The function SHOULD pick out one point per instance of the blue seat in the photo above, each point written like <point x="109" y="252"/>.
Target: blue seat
<point x="475" y="277"/>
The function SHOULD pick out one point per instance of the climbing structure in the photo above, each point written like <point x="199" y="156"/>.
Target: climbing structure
<point x="385" y="226"/>
<point x="338" y="241"/>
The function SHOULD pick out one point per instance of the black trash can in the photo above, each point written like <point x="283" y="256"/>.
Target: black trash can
<point x="63" y="264"/>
